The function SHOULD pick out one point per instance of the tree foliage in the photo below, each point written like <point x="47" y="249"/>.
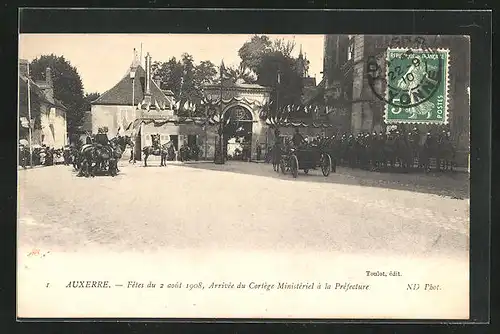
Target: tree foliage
<point x="267" y="58"/>
<point x="233" y="74"/>
<point x="252" y="52"/>
<point x="185" y="78"/>
<point x="68" y="87"/>
<point x="284" y="47"/>
<point x="89" y="98"/>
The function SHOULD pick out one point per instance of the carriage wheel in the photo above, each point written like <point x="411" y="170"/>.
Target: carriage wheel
<point x="326" y="164"/>
<point x="294" y="165"/>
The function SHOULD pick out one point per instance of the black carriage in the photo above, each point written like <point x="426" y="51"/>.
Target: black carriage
<point x="307" y="158"/>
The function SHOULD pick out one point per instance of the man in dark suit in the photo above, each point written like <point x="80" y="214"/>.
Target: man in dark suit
<point x="102" y="138"/>
<point x="297" y="138"/>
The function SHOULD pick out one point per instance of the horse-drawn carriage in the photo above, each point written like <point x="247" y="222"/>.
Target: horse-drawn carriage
<point x="305" y="157"/>
<point x="100" y="155"/>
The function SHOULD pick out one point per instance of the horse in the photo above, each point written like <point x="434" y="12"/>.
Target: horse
<point x="83" y="161"/>
<point x="164" y="151"/>
<point x="118" y="145"/>
<point x="76" y="157"/>
<point x="94" y="157"/>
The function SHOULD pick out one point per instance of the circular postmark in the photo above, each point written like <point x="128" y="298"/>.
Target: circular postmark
<point x="413" y="75"/>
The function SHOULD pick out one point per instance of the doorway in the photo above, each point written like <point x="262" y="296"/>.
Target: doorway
<point x="238" y="133"/>
<point x="175" y="141"/>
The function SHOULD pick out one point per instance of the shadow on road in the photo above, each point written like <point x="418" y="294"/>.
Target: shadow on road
<point x="446" y="184"/>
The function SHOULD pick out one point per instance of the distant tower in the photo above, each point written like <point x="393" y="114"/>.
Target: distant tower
<point x="301" y="65"/>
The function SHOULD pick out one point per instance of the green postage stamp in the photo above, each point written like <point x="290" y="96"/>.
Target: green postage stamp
<point x="417" y="86"/>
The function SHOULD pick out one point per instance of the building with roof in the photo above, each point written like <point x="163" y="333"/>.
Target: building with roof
<point x="48" y="113"/>
<point x="138" y="106"/>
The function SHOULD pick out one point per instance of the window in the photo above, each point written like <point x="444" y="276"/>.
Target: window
<point x="350" y="50"/>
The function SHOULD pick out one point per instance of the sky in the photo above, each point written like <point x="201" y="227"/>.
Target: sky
<point x="103" y="59"/>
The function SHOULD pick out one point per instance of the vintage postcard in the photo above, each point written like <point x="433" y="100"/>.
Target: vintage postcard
<point x="243" y="176"/>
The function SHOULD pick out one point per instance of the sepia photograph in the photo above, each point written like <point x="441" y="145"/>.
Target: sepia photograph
<point x="243" y="176"/>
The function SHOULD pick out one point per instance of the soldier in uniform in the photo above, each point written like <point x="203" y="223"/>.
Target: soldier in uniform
<point x="155" y="141"/>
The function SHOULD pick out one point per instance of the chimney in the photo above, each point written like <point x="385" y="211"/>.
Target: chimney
<point x="148" y="74"/>
<point x="23" y="67"/>
<point x="48" y="77"/>
<point x="48" y="90"/>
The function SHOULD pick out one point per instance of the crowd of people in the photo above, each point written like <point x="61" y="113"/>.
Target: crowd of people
<point x="41" y="155"/>
<point x="376" y="151"/>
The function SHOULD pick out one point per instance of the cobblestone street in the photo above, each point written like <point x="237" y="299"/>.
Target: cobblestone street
<point x="243" y="206"/>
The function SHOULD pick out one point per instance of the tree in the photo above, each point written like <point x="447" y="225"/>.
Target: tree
<point x="205" y="73"/>
<point x="89" y="98"/>
<point x="68" y="87"/>
<point x="266" y="58"/>
<point x="283" y="47"/>
<point x="170" y="73"/>
<point x="290" y="86"/>
<point x="241" y="72"/>
<point x="185" y="79"/>
<point x="251" y="52"/>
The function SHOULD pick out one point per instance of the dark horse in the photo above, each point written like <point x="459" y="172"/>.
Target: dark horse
<point x="118" y="145"/>
<point x="94" y="156"/>
<point x="163" y="151"/>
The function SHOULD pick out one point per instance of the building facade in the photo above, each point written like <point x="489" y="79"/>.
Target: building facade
<point x="350" y="53"/>
<point x="336" y="84"/>
<point x="48" y="114"/>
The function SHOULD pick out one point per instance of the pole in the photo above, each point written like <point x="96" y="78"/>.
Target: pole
<point x="221" y="125"/>
<point x="29" y="118"/>
<point x="133" y="91"/>
<point x="206" y="132"/>
<point x="221" y="158"/>
<point x="277" y="102"/>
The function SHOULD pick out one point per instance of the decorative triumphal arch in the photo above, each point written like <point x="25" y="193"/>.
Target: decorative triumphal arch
<point x="241" y="105"/>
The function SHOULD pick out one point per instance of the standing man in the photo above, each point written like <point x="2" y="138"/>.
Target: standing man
<point x="132" y="148"/>
<point x="297" y="138"/>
